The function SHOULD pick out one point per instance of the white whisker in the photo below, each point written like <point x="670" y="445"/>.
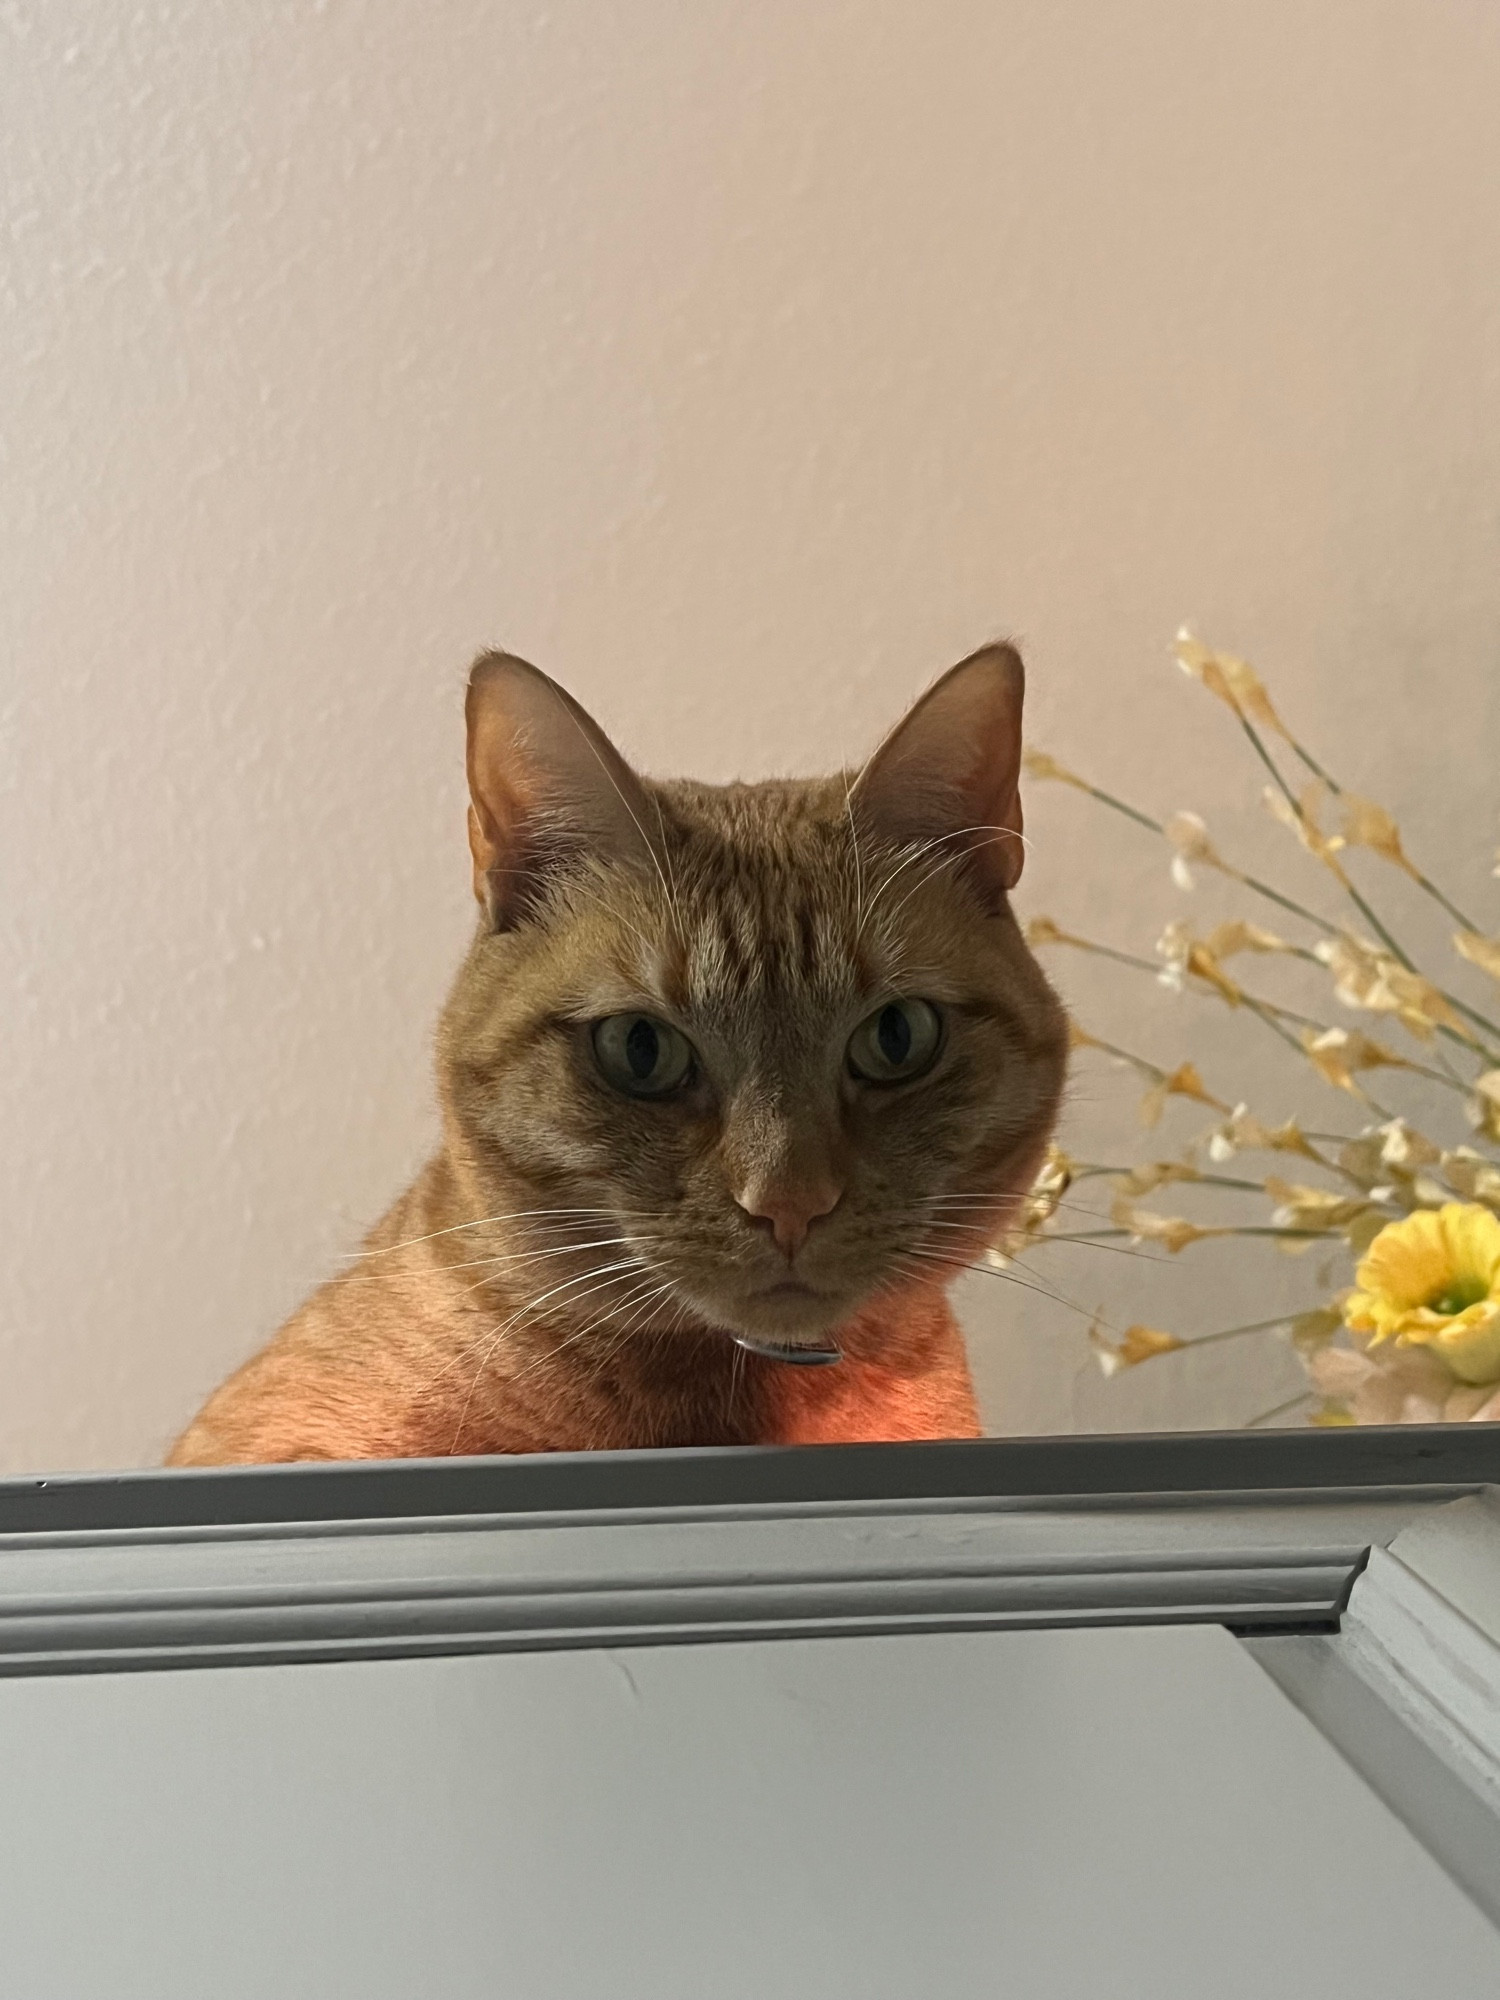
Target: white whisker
<point x="593" y="1325"/>
<point x="946" y="861"/>
<point x="498" y="1331"/>
<point x="492" y="1264"/>
<point x="1008" y="1277"/>
<point x="479" y="1222"/>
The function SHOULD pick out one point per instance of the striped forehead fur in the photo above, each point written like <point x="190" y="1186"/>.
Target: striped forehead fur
<point x="774" y="890"/>
<point x="765" y="882"/>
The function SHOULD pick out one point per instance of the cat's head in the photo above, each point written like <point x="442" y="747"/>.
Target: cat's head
<point x="774" y="1048"/>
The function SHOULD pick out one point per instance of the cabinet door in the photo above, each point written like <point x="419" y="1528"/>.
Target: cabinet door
<point x="1101" y="1813"/>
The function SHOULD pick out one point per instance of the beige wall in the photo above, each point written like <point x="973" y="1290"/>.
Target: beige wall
<point x="743" y="365"/>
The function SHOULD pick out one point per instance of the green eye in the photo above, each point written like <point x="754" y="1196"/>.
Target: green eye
<point x="641" y="1056"/>
<point x="898" y="1043"/>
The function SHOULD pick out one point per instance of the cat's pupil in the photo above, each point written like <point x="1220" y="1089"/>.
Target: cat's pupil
<point x="641" y="1049"/>
<point x="894" y="1036"/>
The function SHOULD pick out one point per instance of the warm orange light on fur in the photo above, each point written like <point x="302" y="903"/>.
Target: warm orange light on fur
<point x="568" y="1272"/>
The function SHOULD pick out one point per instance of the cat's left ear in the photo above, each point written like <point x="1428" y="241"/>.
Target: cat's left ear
<point x="545" y="784"/>
<point x="949" y="772"/>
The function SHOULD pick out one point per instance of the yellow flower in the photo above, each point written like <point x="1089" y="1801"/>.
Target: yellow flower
<point x="1433" y="1280"/>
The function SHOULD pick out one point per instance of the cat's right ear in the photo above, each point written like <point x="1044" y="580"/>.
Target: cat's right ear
<point x="545" y="783"/>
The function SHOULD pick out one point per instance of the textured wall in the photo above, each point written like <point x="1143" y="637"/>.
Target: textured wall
<point x="743" y="366"/>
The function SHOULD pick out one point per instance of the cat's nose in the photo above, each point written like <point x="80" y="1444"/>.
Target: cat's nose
<point x="791" y="1208"/>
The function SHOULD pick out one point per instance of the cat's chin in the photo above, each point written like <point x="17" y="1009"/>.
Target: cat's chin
<point x="785" y="1314"/>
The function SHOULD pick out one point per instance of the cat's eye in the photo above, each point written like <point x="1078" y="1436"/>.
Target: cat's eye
<point x="642" y="1056"/>
<point x="897" y="1043"/>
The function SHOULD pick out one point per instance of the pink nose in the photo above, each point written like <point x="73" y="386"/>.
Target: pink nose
<point x="791" y="1210"/>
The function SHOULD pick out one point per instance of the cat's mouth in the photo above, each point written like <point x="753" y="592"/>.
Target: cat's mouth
<point x="785" y="1320"/>
<point x="778" y="1312"/>
<point x="790" y="1292"/>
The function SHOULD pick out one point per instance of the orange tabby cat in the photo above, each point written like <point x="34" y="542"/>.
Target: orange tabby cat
<point x="734" y="1080"/>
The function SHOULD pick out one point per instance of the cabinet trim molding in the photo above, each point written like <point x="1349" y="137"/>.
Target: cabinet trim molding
<point x="280" y="1565"/>
<point x="1408" y="1686"/>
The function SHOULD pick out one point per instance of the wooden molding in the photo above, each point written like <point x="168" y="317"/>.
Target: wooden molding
<point x="153" y="1570"/>
<point x="1408" y="1687"/>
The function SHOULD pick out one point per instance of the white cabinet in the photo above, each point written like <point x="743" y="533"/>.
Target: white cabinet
<point x="1054" y="1801"/>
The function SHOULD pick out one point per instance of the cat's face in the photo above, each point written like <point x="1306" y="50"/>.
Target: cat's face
<point x="783" y="1045"/>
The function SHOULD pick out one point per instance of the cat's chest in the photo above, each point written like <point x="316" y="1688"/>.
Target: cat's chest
<point x="858" y="1403"/>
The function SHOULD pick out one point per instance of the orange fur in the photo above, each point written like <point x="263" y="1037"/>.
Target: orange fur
<point x="575" y="1268"/>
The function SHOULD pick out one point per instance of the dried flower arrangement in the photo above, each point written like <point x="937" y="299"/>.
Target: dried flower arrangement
<point x="1416" y="1337"/>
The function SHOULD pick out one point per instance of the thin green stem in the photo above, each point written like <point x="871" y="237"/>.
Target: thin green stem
<point x="1233" y="1229"/>
<point x="1270" y="1229"/>
<point x="1315" y="767"/>
<point x="1227" y="1181"/>
<point x="1232" y="1181"/>
<point x="1264" y="1010"/>
<point x="1145" y="1067"/>
<point x="1260" y="888"/>
<point x="1267" y="1011"/>
<point x="1443" y="902"/>
<point x="1130" y="958"/>
<point x="1452" y="1075"/>
<point x="1323" y="924"/>
<point x="1280" y="1410"/>
<point x="1119" y="806"/>
<point x="1450" y="1079"/>
<point x="1343" y="880"/>
<point x="1270" y="763"/>
<point x="1341" y="876"/>
<point x="1480" y="1021"/>
<point x="1377" y="926"/>
<point x="1422" y="881"/>
<point x="1233" y="1332"/>
<point x="1296" y="909"/>
<point x="1079" y="1236"/>
<point x="1192" y="1179"/>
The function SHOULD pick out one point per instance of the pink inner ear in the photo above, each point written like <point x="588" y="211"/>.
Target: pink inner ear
<point x="544" y="780"/>
<point x="950" y="770"/>
<point x="1003" y="853"/>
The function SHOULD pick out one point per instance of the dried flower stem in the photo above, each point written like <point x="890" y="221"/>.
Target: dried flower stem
<point x="1449" y="1078"/>
<point x="1314" y="1139"/>
<point x="1264" y="1010"/>
<point x="1131" y="812"/>
<point x="1450" y="1073"/>
<point x="1130" y="958"/>
<point x="1422" y="881"/>
<point x="1141" y="1063"/>
<point x="1233" y="1332"/>
<point x="1229" y="1229"/>
<point x="1333" y="867"/>
<point x="1280" y="1410"/>
<point x="1296" y="909"/>
<point x="1373" y="1184"/>
<point x="1268" y="1011"/>
<point x="1471" y="1041"/>
<point x="1252" y="882"/>
<point x="1196" y="1180"/>
<point x="1341" y="876"/>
